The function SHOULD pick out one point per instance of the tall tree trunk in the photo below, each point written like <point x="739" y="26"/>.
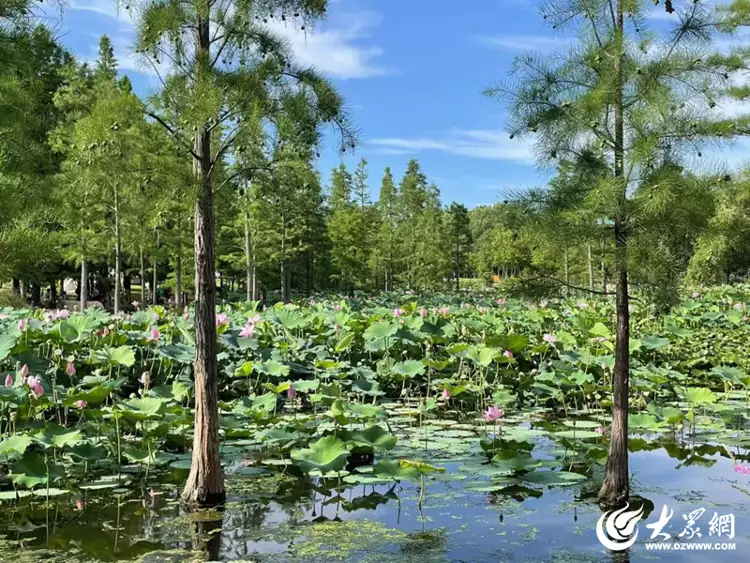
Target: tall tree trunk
<point x="84" y="285"/>
<point x="205" y="484"/>
<point x="143" y="281"/>
<point x="591" y="267"/>
<point x="53" y="294"/>
<point x="22" y="288"/>
<point x="16" y="286"/>
<point x="36" y="294"/>
<point x="616" y="487"/>
<point x="118" y="253"/>
<point x="178" y="272"/>
<point x="566" y="291"/>
<point x="458" y="274"/>
<point x="604" y="267"/>
<point x="249" y="261"/>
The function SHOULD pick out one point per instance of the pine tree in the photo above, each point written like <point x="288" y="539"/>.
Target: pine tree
<point x="459" y="237"/>
<point x="218" y="78"/>
<point x="411" y="201"/>
<point x="626" y="98"/>
<point x="344" y="231"/>
<point x="387" y="234"/>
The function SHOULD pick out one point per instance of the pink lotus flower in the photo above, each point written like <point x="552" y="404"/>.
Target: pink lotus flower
<point x="599" y="430"/>
<point x="543" y="303"/>
<point x="493" y="413"/>
<point x="508" y="354"/>
<point x="24" y="372"/>
<point x="136" y="304"/>
<point x="70" y="369"/>
<point x="255" y="319"/>
<point x="81" y="404"/>
<point x="3" y="316"/>
<point x="155" y="334"/>
<point x="80" y="504"/>
<point x="145" y="379"/>
<point x="446" y="394"/>
<point x="9" y="380"/>
<point x="739" y="306"/>
<point x="582" y="305"/>
<point x="36" y="386"/>
<point x="549" y="338"/>
<point x="248" y="330"/>
<point x="22" y="325"/>
<point x="222" y="319"/>
<point x="337" y="307"/>
<point x="397" y="312"/>
<point x="423" y="312"/>
<point x="63" y="314"/>
<point x="291" y="393"/>
<point x="743" y="469"/>
<point x="104" y="332"/>
<point x="501" y="301"/>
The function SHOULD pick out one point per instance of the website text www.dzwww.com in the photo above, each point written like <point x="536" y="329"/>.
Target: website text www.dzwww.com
<point x="666" y="546"/>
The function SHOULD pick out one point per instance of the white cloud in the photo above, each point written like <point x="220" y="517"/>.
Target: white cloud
<point x="109" y="8"/>
<point x="537" y="43"/>
<point x="338" y="49"/>
<point x="491" y="144"/>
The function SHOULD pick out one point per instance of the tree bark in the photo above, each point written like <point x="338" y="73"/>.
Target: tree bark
<point x="604" y="268"/>
<point x="84" y="285"/>
<point x="36" y="294"/>
<point x="178" y="276"/>
<point x="143" y="281"/>
<point x="205" y="483"/>
<point x="249" y="261"/>
<point x="16" y="286"/>
<point x="616" y="487"/>
<point x="591" y="267"/>
<point x="566" y="289"/>
<point x="118" y="253"/>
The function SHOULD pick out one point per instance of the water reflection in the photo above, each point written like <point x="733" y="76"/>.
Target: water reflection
<point x="283" y="518"/>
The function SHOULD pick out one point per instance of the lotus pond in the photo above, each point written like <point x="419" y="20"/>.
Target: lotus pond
<point x="380" y="429"/>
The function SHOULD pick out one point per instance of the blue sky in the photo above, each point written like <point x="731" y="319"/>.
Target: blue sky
<point x="412" y="72"/>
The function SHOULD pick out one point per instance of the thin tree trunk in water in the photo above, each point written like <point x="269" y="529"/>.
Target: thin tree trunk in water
<point x="591" y="267"/>
<point x="143" y="281"/>
<point x="616" y="488"/>
<point x="205" y="484"/>
<point x="118" y="253"/>
<point x="84" y="285"/>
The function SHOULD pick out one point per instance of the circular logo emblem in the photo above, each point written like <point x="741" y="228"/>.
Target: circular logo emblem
<point x="617" y="529"/>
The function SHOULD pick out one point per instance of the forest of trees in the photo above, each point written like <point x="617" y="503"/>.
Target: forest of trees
<point x="95" y="186"/>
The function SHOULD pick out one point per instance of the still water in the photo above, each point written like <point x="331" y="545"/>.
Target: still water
<point x="276" y="518"/>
